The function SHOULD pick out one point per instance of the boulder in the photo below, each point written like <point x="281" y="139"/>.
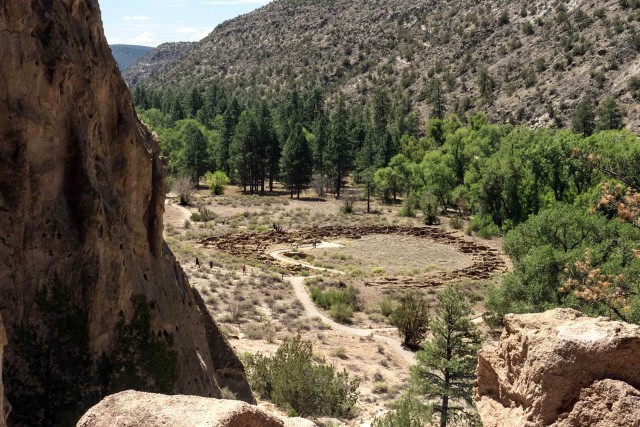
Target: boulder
<point x="81" y="246"/>
<point x="550" y="368"/>
<point x="135" y="409"/>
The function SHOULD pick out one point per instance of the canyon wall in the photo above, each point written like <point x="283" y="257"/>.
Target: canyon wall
<point x="562" y="369"/>
<point x="90" y="294"/>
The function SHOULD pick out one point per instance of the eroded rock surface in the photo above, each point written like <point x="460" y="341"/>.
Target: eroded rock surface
<point x="134" y="409"/>
<point x="561" y="368"/>
<point x="4" y="406"/>
<point x="81" y="203"/>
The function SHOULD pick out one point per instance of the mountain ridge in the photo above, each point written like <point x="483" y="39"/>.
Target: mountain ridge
<point x="127" y="54"/>
<point x="537" y="61"/>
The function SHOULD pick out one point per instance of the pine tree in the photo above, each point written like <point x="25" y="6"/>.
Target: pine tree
<point x="195" y="154"/>
<point x="610" y="115"/>
<point x="230" y="121"/>
<point x="296" y="163"/>
<point x="584" y="119"/>
<point x="446" y="365"/>
<point x="436" y="100"/>
<point x="339" y="151"/>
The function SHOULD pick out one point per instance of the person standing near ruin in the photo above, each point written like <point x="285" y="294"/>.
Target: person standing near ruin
<point x="244" y="270"/>
<point x="197" y="262"/>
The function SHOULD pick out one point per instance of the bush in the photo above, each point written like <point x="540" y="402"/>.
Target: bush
<point x="295" y="383"/>
<point x="412" y="319"/>
<point x="217" y="182"/>
<point x="483" y="226"/>
<point x="341" y="312"/>
<point x="386" y="307"/>
<point x="456" y="222"/>
<point x="341" y="303"/>
<point x="203" y="215"/>
<point x="408" y="411"/>
<point x="184" y="189"/>
<point x="429" y="207"/>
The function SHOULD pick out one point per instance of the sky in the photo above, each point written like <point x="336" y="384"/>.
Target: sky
<point x="152" y="22"/>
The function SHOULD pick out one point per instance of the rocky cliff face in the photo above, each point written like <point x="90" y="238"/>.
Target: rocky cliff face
<point x="4" y="408"/>
<point x="154" y="410"/>
<point x="561" y="369"/>
<point x="93" y="300"/>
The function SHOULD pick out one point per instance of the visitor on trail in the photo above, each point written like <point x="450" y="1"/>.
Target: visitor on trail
<point x="197" y="262"/>
<point x="244" y="270"/>
<point x="211" y="264"/>
<point x="313" y="244"/>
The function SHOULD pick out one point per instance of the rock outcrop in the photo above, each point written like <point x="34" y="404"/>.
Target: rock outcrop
<point x="562" y="369"/>
<point x="133" y="409"/>
<point x="84" y="270"/>
<point x="4" y="408"/>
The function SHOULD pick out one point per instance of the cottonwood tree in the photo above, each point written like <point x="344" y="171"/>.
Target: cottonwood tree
<point x="446" y="365"/>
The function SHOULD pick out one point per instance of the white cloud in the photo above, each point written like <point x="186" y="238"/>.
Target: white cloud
<point x="137" y="18"/>
<point x="145" y="38"/>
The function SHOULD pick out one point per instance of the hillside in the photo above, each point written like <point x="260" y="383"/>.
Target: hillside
<point x="148" y="66"/>
<point x="528" y="62"/>
<point x="125" y="54"/>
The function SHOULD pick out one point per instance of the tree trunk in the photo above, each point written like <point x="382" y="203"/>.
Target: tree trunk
<point x="444" y="415"/>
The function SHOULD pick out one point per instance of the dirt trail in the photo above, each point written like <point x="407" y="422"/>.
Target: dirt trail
<point x="310" y="308"/>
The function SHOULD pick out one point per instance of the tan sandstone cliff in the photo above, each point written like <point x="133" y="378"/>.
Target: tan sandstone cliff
<point x="134" y="409"/>
<point x="561" y="369"/>
<point x="86" y="280"/>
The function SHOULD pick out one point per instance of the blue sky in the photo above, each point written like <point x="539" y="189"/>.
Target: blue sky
<point x="152" y="22"/>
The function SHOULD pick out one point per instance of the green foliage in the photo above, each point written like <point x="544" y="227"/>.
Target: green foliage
<point x="296" y="165"/>
<point x="387" y="306"/>
<point x="50" y="380"/>
<point x="548" y="243"/>
<point x="483" y="226"/>
<point x="411" y="318"/>
<point x="584" y="119"/>
<point x="429" y="207"/>
<point x="340" y="302"/>
<point x="446" y="365"/>
<point x="140" y="359"/>
<point x="408" y="411"/>
<point x="217" y="182"/>
<point x="341" y="312"/>
<point x="294" y="382"/>
<point x="610" y="115"/>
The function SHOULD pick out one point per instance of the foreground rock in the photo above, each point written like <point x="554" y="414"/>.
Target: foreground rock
<point x="85" y="276"/>
<point x="4" y="406"/>
<point x="563" y="369"/>
<point x="134" y="409"/>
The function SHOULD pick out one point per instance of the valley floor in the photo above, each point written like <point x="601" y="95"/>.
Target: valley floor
<point x="259" y="292"/>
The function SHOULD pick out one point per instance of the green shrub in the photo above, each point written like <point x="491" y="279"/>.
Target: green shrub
<point x="295" y="383"/>
<point x="341" y="312"/>
<point x="327" y="299"/>
<point x="386" y="307"/>
<point x="429" y="207"/>
<point x="483" y="226"/>
<point x="412" y="319"/>
<point x="217" y="182"/>
<point x="456" y="222"/>
<point x="408" y="411"/>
